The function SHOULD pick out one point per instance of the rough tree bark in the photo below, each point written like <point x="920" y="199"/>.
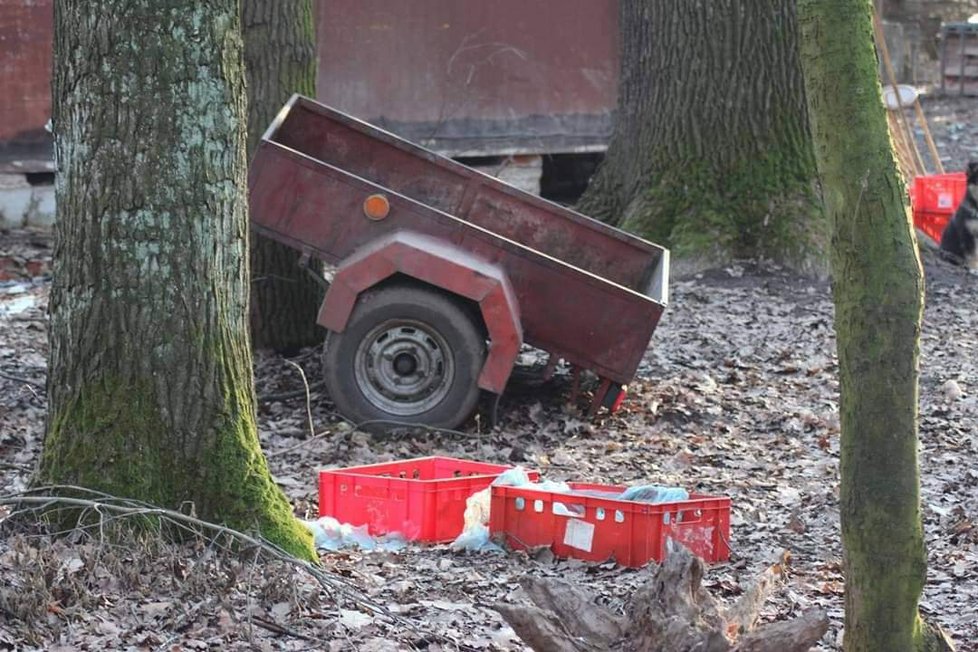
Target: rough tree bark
<point x="150" y="389"/>
<point x="280" y="59"/>
<point x="711" y="152"/>
<point x="878" y="293"/>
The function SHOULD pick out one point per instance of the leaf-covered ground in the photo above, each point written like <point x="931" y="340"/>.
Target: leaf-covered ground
<point x="737" y="396"/>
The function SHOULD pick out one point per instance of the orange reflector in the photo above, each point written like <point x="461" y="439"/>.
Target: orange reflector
<point x="376" y="207"/>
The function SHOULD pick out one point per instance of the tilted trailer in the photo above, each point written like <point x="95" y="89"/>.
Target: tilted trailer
<point x="442" y="273"/>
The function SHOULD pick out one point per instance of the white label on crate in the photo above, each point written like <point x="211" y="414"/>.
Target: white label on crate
<point x="579" y="534"/>
<point x="944" y="200"/>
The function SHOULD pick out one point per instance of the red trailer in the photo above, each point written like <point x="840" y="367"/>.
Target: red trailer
<point x="442" y="273"/>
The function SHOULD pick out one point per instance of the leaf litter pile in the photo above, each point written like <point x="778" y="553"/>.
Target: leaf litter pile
<point x="737" y="396"/>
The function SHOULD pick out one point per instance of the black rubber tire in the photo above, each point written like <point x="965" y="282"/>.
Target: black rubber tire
<point x="391" y="304"/>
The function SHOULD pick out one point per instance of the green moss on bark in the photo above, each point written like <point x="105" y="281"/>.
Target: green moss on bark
<point x="878" y="294"/>
<point x="711" y="153"/>
<point x="113" y="438"/>
<point x="248" y="498"/>
<point x="97" y="441"/>
<point x="756" y="207"/>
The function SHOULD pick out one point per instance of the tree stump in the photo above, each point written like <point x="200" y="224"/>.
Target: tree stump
<point x="671" y="612"/>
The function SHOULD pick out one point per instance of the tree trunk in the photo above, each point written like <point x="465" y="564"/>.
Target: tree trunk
<point x="280" y="59"/>
<point x="878" y="292"/>
<point x="711" y="152"/>
<point x="150" y="390"/>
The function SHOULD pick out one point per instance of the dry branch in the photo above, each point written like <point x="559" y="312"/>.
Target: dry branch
<point x="42" y="500"/>
<point x="743" y="614"/>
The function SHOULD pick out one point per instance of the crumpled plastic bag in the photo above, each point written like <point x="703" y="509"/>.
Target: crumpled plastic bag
<point x="651" y="493"/>
<point x="330" y="534"/>
<point x="475" y="530"/>
<point x="474" y="538"/>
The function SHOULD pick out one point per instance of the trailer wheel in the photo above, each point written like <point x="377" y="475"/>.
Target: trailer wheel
<point x="407" y="355"/>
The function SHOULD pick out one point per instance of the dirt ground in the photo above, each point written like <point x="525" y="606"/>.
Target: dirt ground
<point x="737" y="396"/>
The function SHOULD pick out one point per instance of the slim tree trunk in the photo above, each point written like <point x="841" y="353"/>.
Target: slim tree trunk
<point x="711" y="152"/>
<point x="280" y="59"/>
<point x="878" y="292"/>
<point x="150" y="391"/>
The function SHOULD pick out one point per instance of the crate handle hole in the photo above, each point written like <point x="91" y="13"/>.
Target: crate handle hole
<point x="416" y="474"/>
<point x="520" y="504"/>
<point x="599" y="513"/>
<point x="456" y="474"/>
<point x="538" y="506"/>
<point x="563" y="509"/>
<point x="619" y="516"/>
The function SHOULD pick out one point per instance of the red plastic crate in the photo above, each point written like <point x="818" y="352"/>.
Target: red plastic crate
<point x="422" y="499"/>
<point x="597" y="529"/>
<point x="934" y="199"/>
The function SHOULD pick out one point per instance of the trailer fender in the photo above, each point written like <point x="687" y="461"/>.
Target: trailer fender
<point x="442" y="265"/>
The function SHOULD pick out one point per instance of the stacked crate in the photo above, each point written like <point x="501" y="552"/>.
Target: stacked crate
<point x="959" y="59"/>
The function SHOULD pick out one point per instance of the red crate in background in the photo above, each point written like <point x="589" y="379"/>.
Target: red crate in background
<point x="934" y="199"/>
<point x="595" y="528"/>
<point x="422" y="499"/>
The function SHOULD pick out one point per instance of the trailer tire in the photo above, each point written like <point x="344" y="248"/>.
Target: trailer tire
<point x="408" y="355"/>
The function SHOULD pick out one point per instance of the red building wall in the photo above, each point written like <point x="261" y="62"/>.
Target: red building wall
<point x="26" y="28"/>
<point x="507" y="76"/>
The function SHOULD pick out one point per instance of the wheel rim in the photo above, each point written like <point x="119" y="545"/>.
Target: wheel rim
<point x="404" y="367"/>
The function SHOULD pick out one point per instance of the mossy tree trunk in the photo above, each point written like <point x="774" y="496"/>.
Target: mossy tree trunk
<point x="878" y="292"/>
<point x="280" y="59"/>
<point x="150" y="390"/>
<point x="711" y="152"/>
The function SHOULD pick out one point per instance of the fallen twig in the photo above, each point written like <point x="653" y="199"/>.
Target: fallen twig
<point x="276" y="628"/>
<point x="18" y="379"/>
<point x="305" y="383"/>
<point x="295" y="393"/>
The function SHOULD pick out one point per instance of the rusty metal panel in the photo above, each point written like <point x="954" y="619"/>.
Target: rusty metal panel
<point x="579" y="314"/>
<point x="470" y="78"/>
<point x="579" y="317"/>
<point x="26" y="32"/>
<point x="443" y="184"/>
